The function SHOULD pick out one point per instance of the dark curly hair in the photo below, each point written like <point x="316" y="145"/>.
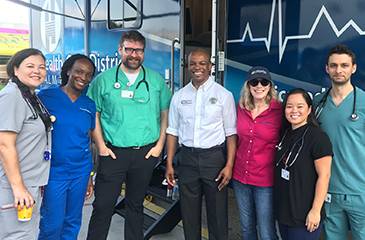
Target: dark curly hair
<point x="341" y="49"/>
<point x="67" y="65"/>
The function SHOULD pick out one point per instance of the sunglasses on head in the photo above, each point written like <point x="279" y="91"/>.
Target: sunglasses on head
<point x="264" y="82"/>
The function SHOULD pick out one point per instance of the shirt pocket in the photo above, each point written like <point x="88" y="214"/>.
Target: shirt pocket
<point x="212" y="113"/>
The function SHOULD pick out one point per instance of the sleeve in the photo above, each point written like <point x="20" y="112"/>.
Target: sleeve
<point x="95" y="92"/>
<point x="165" y="95"/>
<point x="93" y="114"/>
<point x="16" y="111"/>
<point x="173" y="127"/>
<point x="321" y="145"/>
<point x="40" y="94"/>
<point x="46" y="98"/>
<point x="229" y="116"/>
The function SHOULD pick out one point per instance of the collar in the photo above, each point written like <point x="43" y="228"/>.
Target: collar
<point x="205" y="87"/>
<point x="300" y="129"/>
<point x="274" y="105"/>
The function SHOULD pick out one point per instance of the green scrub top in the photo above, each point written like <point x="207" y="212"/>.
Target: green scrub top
<point x="127" y="122"/>
<point x="348" y="142"/>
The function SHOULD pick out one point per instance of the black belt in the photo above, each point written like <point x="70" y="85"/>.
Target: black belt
<point x="109" y="145"/>
<point x="196" y="150"/>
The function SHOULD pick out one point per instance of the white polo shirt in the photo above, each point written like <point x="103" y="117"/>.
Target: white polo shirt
<point x="202" y="118"/>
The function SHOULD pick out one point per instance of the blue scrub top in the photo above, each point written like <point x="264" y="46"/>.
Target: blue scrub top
<point x="71" y="154"/>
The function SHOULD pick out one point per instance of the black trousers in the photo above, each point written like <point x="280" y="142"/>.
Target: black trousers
<point x="131" y="167"/>
<point x="198" y="169"/>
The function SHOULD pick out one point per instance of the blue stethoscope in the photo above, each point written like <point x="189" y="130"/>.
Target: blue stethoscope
<point x="117" y="84"/>
<point x="354" y="117"/>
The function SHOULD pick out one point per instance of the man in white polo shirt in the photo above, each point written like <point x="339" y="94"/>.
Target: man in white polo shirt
<point x="202" y="118"/>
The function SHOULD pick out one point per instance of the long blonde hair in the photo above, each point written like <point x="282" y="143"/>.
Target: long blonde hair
<point x="246" y="100"/>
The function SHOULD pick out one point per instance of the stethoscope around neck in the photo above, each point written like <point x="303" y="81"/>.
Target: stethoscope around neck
<point x="117" y="85"/>
<point x="354" y="117"/>
<point x="299" y="142"/>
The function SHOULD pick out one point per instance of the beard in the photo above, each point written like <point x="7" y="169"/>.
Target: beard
<point x="340" y="83"/>
<point x="134" y="65"/>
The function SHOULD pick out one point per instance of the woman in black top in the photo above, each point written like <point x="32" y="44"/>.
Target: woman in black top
<point x="302" y="170"/>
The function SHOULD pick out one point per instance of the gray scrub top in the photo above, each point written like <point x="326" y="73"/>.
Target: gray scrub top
<point x="31" y="142"/>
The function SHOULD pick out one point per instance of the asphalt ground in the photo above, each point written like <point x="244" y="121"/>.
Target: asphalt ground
<point x="156" y="207"/>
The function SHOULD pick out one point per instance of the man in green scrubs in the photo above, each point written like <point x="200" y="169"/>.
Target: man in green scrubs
<point x="132" y="104"/>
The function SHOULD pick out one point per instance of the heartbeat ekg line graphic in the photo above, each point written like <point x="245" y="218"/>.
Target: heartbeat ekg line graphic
<point x="282" y="44"/>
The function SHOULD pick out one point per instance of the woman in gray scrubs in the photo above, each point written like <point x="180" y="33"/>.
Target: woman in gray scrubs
<point x="24" y="143"/>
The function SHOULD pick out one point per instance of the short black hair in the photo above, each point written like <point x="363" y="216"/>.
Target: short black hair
<point x="19" y="57"/>
<point x="67" y="65"/>
<point x="341" y="49"/>
<point x="200" y="50"/>
<point x="311" y="120"/>
<point x="134" y="36"/>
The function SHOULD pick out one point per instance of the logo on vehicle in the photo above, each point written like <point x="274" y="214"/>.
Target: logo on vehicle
<point x="50" y="26"/>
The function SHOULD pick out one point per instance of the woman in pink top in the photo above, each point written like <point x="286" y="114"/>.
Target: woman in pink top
<point x="258" y="126"/>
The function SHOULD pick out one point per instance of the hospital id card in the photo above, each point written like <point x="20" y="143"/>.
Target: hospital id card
<point x="285" y="174"/>
<point x="127" y="94"/>
<point x="328" y="198"/>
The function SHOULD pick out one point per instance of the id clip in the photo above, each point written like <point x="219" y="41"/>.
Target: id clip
<point x="47" y="155"/>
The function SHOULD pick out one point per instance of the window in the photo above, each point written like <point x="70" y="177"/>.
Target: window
<point x="126" y="14"/>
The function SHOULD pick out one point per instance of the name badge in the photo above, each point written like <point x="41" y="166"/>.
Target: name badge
<point x="186" y="102"/>
<point x="285" y="174"/>
<point x="127" y="94"/>
<point x="328" y="198"/>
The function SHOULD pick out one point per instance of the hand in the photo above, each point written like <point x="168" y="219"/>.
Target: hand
<point x="155" y="152"/>
<point x="312" y="220"/>
<point x="22" y="197"/>
<point x="169" y="175"/>
<point x="90" y="189"/>
<point x="105" y="151"/>
<point x="226" y="174"/>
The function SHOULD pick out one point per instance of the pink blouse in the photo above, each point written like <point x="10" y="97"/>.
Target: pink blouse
<point x="257" y="138"/>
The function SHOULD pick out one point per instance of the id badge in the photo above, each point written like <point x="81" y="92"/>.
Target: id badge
<point x="328" y="198"/>
<point x="285" y="174"/>
<point x="47" y="155"/>
<point x="127" y="94"/>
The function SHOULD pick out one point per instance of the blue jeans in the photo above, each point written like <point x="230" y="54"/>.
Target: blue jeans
<point x="255" y="205"/>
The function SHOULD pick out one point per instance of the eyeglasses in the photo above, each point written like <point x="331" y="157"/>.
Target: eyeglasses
<point x="139" y="51"/>
<point x="255" y="82"/>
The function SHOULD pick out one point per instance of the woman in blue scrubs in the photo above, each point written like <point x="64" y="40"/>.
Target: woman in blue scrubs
<point x="70" y="183"/>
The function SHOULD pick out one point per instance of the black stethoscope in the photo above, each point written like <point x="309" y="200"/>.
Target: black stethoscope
<point x="117" y="84"/>
<point x="47" y="153"/>
<point x="354" y="117"/>
<point x="299" y="143"/>
<point x="41" y="107"/>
